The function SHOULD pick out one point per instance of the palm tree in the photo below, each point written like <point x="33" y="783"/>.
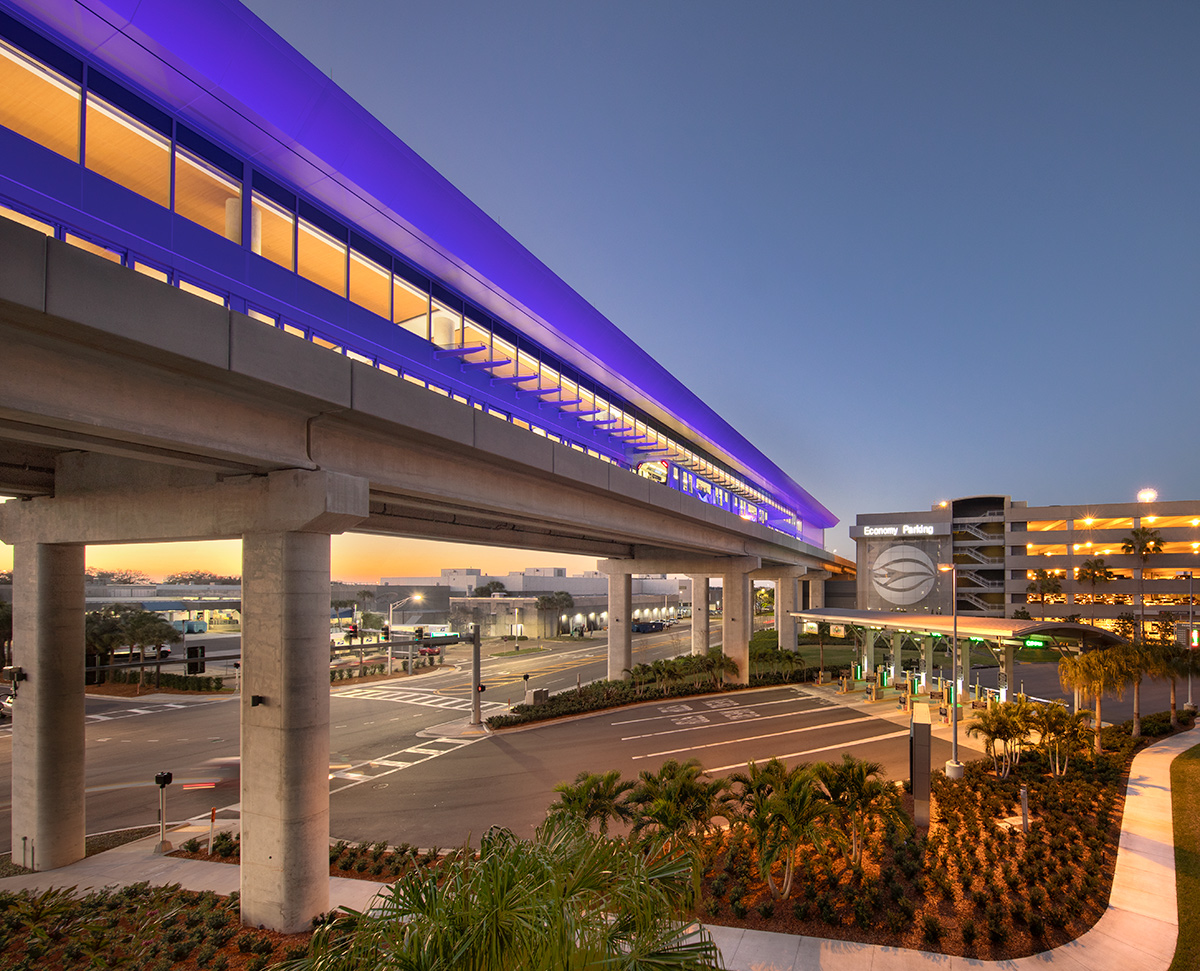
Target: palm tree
<point x="1044" y="582"/>
<point x="1136" y="661"/>
<point x="1062" y="733"/>
<point x="799" y="814"/>
<point x="146" y="629"/>
<point x="1143" y="543"/>
<point x="568" y="898"/>
<point x="595" y="798"/>
<point x="1095" y="674"/>
<point x="1000" y="726"/>
<point x="1094" y="573"/>
<point x="677" y="806"/>
<point x="1176" y="661"/>
<point x="858" y="799"/>
<point x="747" y="807"/>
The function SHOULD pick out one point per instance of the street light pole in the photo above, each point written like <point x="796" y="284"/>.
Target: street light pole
<point x="954" y="768"/>
<point x="391" y="626"/>
<point x="1191" y="627"/>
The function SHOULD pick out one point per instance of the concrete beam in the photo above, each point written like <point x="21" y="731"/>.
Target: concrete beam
<point x="291" y="500"/>
<point x="712" y="566"/>
<point x="795" y="572"/>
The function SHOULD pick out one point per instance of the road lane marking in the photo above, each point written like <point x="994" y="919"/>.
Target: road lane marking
<point x="356" y="775"/>
<point x="406" y="696"/>
<point x="671" y="710"/>
<point x="903" y="733"/>
<point x="709" y="723"/>
<point x="757" y="738"/>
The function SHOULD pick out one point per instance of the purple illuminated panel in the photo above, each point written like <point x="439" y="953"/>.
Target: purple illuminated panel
<point x="220" y="67"/>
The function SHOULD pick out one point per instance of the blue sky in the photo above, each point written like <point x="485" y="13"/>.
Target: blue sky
<point x="912" y="250"/>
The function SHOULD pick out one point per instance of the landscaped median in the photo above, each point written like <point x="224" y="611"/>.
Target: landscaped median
<point x="674" y="678"/>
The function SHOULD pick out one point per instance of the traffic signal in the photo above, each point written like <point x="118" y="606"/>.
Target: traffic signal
<point x="419" y="633"/>
<point x="387" y="632"/>
<point x="1195" y="637"/>
<point x="482" y="688"/>
<point x="352" y="629"/>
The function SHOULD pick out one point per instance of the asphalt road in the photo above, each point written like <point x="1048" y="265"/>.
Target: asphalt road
<point x="400" y="774"/>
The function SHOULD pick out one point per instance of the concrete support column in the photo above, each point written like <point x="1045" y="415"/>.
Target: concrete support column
<point x="699" y="615"/>
<point x="1007" y="672"/>
<point x="620" y="617"/>
<point x="897" y="645"/>
<point x="735" y="635"/>
<point x="869" y="652"/>
<point x="285" y="729"/>
<point x="785" y="606"/>
<point x="751" y="603"/>
<point x="927" y="660"/>
<point x="48" y="721"/>
<point x="964" y="663"/>
<point x="816" y="594"/>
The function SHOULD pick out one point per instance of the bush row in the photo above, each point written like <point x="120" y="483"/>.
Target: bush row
<point x="612" y="694"/>
<point x="180" y="682"/>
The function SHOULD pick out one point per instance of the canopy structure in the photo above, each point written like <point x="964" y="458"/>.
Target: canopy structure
<point x="1001" y="637"/>
<point x="998" y="630"/>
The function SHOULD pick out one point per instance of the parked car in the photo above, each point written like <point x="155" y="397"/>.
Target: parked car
<point x="6" y="705"/>
<point x="429" y="650"/>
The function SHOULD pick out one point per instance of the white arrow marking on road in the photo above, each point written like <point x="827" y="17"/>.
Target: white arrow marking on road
<point x="816" y="751"/>
<point x="758" y="738"/>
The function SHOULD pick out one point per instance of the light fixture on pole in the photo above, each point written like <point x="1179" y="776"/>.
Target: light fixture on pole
<point x="1191" y="638"/>
<point x="391" y="627"/>
<point x="954" y="768"/>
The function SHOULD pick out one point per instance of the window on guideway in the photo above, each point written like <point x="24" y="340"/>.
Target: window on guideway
<point x="208" y="195"/>
<point x="410" y="307"/>
<point x="370" y="285"/>
<point x="129" y="151"/>
<point x="321" y="257"/>
<point x="447" y="322"/>
<point x="272" y="231"/>
<point x="476" y="335"/>
<point x="38" y="102"/>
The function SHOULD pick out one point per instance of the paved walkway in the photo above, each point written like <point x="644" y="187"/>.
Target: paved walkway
<point x="1136" y="933"/>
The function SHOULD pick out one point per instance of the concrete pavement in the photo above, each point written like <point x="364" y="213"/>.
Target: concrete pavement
<point x="1138" y="930"/>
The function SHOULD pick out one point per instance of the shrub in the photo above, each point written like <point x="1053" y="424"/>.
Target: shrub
<point x="739" y="908"/>
<point x="191" y="846"/>
<point x="969" y="932"/>
<point x="931" y="929"/>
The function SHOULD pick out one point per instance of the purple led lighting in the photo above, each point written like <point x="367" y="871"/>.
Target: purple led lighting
<point x="218" y="65"/>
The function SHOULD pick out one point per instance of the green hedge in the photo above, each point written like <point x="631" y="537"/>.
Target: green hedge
<point x="678" y="678"/>
<point x="180" y="682"/>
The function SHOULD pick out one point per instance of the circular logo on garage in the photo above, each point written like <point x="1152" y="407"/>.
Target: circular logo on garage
<point x="903" y="575"/>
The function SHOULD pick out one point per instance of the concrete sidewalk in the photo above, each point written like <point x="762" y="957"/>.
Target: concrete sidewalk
<point x="1138" y="931"/>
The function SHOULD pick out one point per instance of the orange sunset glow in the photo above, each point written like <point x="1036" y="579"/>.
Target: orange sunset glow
<point x="356" y="558"/>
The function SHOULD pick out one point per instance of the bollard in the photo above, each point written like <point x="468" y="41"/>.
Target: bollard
<point x="162" y="780"/>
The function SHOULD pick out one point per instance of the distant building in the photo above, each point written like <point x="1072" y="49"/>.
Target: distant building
<point x="540" y="580"/>
<point x="998" y="544"/>
<point x="501" y="616"/>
